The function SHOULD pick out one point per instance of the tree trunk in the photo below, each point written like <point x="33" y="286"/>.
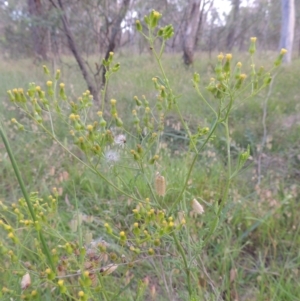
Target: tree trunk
<point x="114" y="33"/>
<point x="38" y="33"/>
<point x="193" y="15"/>
<point x="73" y="47"/>
<point x="233" y="22"/>
<point x="287" y="28"/>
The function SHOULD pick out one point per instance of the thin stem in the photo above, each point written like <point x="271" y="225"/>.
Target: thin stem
<point x="187" y="270"/>
<point x="203" y="98"/>
<point x="229" y="178"/>
<point x="158" y="59"/>
<point x="51" y="122"/>
<point x="228" y="147"/>
<point x="78" y="220"/>
<point x="26" y="196"/>
<point x="91" y="168"/>
<point x="103" y="92"/>
<point x="192" y="166"/>
<point x="104" y="294"/>
<point x="265" y="133"/>
<point x="148" y="183"/>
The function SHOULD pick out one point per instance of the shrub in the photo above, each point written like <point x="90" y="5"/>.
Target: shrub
<point x="168" y="225"/>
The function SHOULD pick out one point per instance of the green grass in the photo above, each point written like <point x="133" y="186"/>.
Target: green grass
<point x="253" y="256"/>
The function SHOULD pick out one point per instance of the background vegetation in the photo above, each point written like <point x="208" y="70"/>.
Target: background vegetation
<point x="254" y="255"/>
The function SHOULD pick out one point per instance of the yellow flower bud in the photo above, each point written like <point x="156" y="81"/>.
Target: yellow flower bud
<point x="33" y="293"/>
<point x="138" y="25"/>
<point x="156" y="14"/>
<point x="283" y="51"/>
<point x="252" y="48"/>
<point x="89" y="127"/>
<point x="228" y="56"/>
<point x="72" y="116"/>
<point x="151" y="251"/>
<point x="171" y="224"/>
<point x="220" y="57"/>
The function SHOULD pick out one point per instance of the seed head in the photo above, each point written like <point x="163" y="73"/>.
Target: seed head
<point x="160" y="185"/>
<point x="197" y="207"/>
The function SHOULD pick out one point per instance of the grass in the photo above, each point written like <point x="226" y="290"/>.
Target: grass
<point x="253" y="256"/>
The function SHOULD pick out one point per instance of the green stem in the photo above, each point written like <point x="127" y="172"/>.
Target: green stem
<point x="104" y="294"/>
<point x="228" y="148"/>
<point x="203" y="98"/>
<point x="229" y="178"/>
<point x="148" y="183"/>
<point x="79" y="228"/>
<point x="51" y="122"/>
<point x="192" y="165"/>
<point x="158" y="59"/>
<point x="26" y="196"/>
<point x="103" y="92"/>
<point x="95" y="171"/>
<point x="91" y="168"/>
<point x="187" y="270"/>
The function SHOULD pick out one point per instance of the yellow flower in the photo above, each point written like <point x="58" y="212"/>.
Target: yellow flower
<point x="283" y="51"/>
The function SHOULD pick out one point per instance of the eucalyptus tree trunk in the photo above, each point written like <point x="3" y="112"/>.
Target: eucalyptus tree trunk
<point x="74" y="48"/>
<point x="233" y="22"/>
<point x="38" y="32"/>
<point x="116" y="28"/>
<point x="287" y="27"/>
<point x="192" y="22"/>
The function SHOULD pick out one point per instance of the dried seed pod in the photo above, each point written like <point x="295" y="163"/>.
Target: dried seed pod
<point x="197" y="207"/>
<point x="108" y="269"/>
<point x="26" y="281"/>
<point x="160" y="184"/>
